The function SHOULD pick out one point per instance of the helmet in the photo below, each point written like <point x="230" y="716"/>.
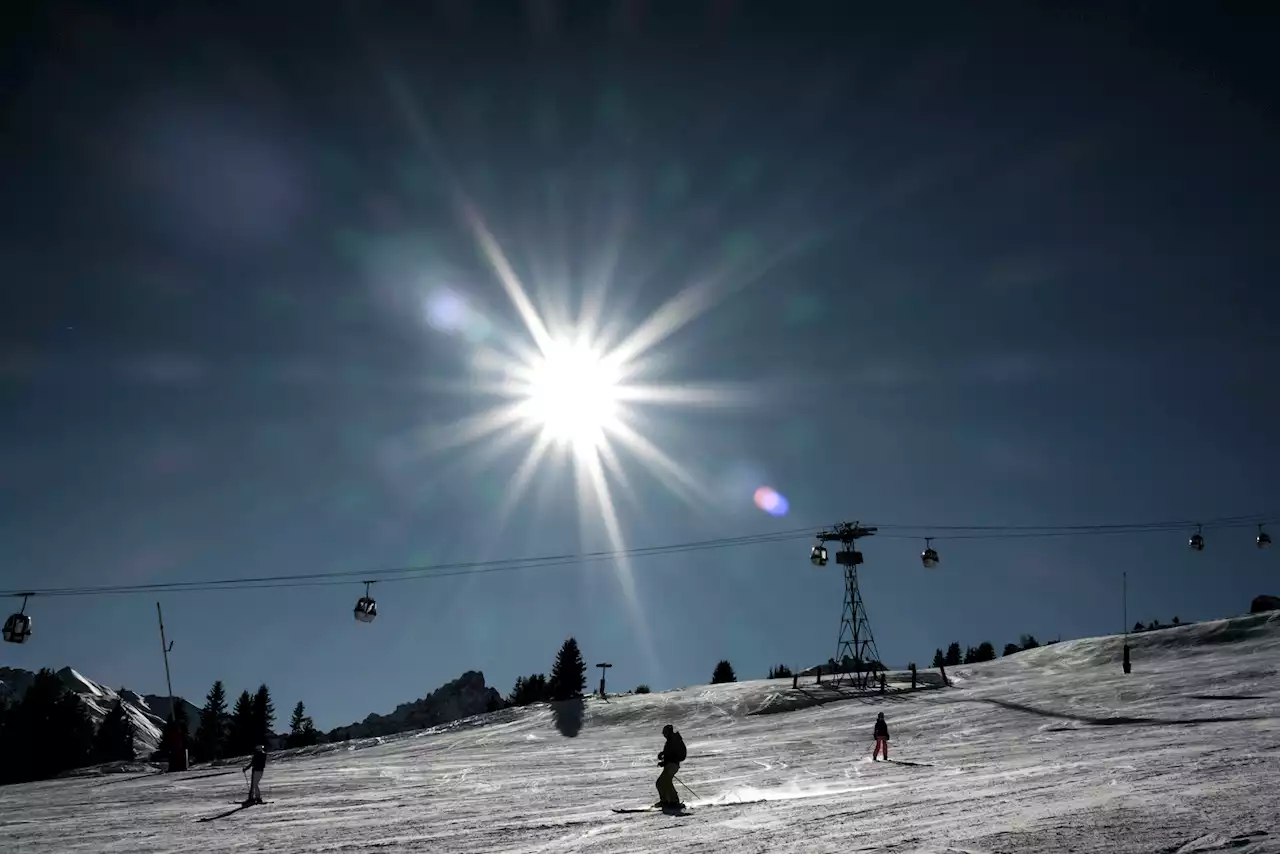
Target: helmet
<point x="668" y="729"/>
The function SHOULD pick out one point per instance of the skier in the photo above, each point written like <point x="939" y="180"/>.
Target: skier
<point x="259" y="764"/>
<point x="882" y="738"/>
<point x="673" y="753"/>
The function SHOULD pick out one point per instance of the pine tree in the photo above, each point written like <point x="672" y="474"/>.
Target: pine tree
<point x="568" y="674"/>
<point x="28" y="730"/>
<point x="528" y="690"/>
<point x="6" y="746"/>
<point x="72" y="729"/>
<point x="298" y="719"/>
<point x="1028" y="642"/>
<point x="1011" y="648"/>
<point x="302" y="732"/>
<point x="985" y="652"/>
<point x="241" y="741"/>
<point x="953" y="654"/>
<point x="938" y="659"/>
<point x="114" y="739"/>
<point x="537" y="689"/>
<point x="179" y="721"/>
<point x="211" y="738"/>
<point x="723" y="673"/>
<point x="180" y="718"/>
<point x="264" y="716"/>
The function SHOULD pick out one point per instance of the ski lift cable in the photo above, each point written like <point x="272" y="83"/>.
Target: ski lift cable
<point x="447" y="570"/>
<point x="417" y="572"/>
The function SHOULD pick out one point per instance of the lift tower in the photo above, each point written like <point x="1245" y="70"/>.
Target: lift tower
<point x="856" y="648"/>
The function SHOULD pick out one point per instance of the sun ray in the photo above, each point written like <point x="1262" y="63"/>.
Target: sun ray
<point x="665" y="320"/>
<point x="523" y="476"/>
<point x="614" y="531"/>
<point x="473" y="429"/>
<point x="676" y="479"/>
<point x="507" y="276"/>
<point x="614" y="465"/>
<point x="686" y="394"/>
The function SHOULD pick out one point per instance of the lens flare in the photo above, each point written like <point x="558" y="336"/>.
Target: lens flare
<point x="771" y="501"/>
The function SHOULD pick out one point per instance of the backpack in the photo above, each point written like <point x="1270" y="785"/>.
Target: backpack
<point x="675" y="751"/>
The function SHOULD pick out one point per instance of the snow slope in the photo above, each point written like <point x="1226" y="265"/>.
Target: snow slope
<point x="1049" y="750"/>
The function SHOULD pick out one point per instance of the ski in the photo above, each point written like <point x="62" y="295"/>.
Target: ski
<point x="685" y="811"/>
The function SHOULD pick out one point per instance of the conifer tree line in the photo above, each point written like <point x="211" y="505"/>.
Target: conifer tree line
<point x="49" y="731"/>
<point x="984" y="651"/>
<point x="568" y="679"/>
<point x="222" y="735"/>
<point x="1155" y="625"/>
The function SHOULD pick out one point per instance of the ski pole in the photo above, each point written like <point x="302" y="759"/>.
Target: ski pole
<point x="696" y="796"/>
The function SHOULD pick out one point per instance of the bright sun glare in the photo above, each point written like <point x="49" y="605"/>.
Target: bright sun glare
<point x="565" y="385"/>
<point x="572" y="395"/>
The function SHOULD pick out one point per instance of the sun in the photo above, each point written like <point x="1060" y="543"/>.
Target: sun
<point x="572" y="394"/>
<point x="575" y="381"/>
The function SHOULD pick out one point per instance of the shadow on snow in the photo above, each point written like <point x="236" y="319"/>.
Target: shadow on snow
<point x="1120" y="720"/>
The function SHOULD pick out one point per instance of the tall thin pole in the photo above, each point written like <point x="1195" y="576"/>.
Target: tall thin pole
<point x="176" y="737"/>
<point x="1125" y="662"/>
<point x="164" y="647"/>
<point x="1126" y="605"/>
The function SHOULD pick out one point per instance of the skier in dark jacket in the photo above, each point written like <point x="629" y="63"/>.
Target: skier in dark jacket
<point x="259" y="764"/>
<point x="673" y="753"/>
<point x="882" y="738"/>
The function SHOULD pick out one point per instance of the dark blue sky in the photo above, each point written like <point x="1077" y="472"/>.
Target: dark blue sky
<point x="1014" y="268"/>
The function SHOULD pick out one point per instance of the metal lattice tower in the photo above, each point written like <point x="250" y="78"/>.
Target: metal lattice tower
<point x="856" y="649"/>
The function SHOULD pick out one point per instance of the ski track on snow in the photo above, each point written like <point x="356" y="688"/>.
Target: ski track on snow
<point x="1046" y="751"/>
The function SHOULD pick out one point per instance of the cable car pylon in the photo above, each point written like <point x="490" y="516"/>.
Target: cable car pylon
<point x="856" y="647"/>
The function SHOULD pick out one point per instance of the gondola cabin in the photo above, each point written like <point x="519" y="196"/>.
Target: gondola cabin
<point x="929" y="557"/>
<point x="17" y="629"/>
<point x="366" y="609"/>
<point x="818" y="556"/>
<point x="1264" y="539"/>
<point x="1196" y="543"/>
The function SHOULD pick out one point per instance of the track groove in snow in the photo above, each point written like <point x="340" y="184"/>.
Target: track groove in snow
<point x="1047" y="751"/>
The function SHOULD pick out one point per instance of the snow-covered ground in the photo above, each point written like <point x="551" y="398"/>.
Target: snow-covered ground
<point x="1053" y="749"/>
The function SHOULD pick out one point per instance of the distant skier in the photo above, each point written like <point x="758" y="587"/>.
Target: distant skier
<point x="259" y="764"/>
<point x="673" y="753"/>
<point x="882" y="738"/>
